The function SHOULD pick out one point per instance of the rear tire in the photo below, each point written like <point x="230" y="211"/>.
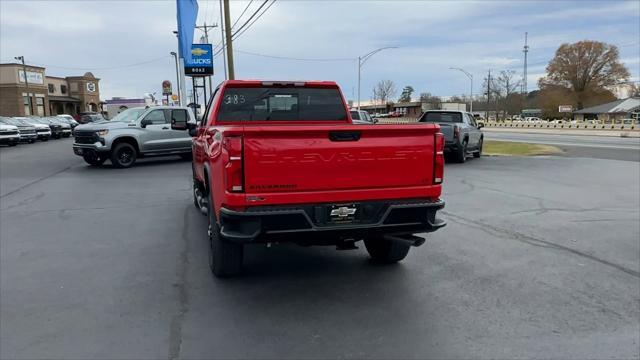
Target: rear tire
<point x="385" y="251"/>
<point x="225" y="258"/>
<point x="13" y="143"/>
<point x="461" y="154"/>
<point x="123" y="155"/>
<point x="45" y="138"/>
<point x="478" y="153"/>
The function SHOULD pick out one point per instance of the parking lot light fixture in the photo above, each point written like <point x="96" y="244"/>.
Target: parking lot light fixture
<point x="363" y="59"/>
<point x="470" y="76"/>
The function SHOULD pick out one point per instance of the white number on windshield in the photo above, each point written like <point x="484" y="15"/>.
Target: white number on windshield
<point x="234" y="99"/>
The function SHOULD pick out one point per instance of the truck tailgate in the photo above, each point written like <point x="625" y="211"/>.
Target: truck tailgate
<point x="303" y="158"/>
<point x="447" y="131"/>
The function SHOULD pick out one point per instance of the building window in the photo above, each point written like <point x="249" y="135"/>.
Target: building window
<point x="52" y="88"/>
<point x="40" y="106"/>
<point x="63" y="89"/>
<point x="27" y="105"/>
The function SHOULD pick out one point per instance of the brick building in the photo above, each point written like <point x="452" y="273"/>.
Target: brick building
<point x="44" y="95"/>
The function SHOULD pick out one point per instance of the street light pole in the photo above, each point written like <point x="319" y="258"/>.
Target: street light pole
<point x="362" y="60"/>
<point x="470" y="76"/>
<point x="26" y="83"/>
<point x="175" y="57"/>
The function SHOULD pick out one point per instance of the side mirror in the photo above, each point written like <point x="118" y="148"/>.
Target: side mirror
<point x="145" y="122"/>
<point x="193" y="131"/>
<point x="178" y="124"/>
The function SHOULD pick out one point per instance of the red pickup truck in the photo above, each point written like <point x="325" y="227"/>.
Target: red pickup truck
<point x="281" y="161"/>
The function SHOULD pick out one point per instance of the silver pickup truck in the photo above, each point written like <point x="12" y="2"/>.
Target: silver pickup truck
<point x="461" y="133"/>
<point x="133" y="134"/>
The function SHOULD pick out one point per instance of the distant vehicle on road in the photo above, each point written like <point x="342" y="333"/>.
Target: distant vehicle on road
<point x="27" y="131"/>
<point x="362" y="117"/>
<point x="55" y="128"/>
<point x="462" y="134"/>
<point x="133" y="134"/>
<point x="9" y="134"/>
<point x="42" y="130"/>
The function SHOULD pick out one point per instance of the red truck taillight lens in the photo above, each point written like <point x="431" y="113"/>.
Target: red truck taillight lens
<point x="234" y="174"/>
<point x="438" y="160"/>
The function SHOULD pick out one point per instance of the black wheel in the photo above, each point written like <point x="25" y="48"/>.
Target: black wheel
<point x="46" y="138"/>
<point x="195" y="197"/>
<point x="478" y="152"/>
<point x="123" y="155"/>
<point x="32" y="141"/>
<point x="225" y="258"/>
<point x="186" y="156"/>
<point x="13" y="143"/>
<point x="461" y="155"/>
<point x="93" y="159"/>
<point x="386" y="251"/>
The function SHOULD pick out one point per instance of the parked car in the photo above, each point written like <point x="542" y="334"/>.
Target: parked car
<point x="362" y="117"/>
<point x="261" y="178"/>
<point x="55" y="128"/>
<point x="66" y="127"/>
<point x="69" y="120"/>
<point x="461" y="133"/>
<point x="85" y="118"/>
<point x="9" y="134"/>
<point x="43" y="131"/>
<point x="132" y="134"/>
<point x="26" y="131"/>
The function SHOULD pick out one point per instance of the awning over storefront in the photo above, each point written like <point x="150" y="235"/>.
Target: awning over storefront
<point x="63" y="98"/>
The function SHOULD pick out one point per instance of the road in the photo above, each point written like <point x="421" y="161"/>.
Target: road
<point x="540" y="259"/>
<point x="602" y="147"/>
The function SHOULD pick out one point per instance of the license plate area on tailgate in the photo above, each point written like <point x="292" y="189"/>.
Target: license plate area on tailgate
<point x="342" y="213"/>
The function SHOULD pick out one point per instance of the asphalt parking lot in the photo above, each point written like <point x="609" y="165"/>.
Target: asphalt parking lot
<point x="540" y="259"/>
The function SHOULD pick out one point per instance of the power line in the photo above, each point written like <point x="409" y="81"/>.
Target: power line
<point x="242" y="13"/>
<point x="250" y="18"/>
<point x="256" y="19"/>
<point x="104" y="68"/>
<point x="294" y="58"/>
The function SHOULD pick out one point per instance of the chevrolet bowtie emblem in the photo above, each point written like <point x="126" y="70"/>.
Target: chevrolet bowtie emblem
<point x="343" y="211"/>
<point x="198" y="51"/>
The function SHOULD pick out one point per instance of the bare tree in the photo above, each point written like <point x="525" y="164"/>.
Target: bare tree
<point x="434" y="102"/>
<point x="384" y="91"/>
<point x="507" y="83"/>
<point x="585" y="69"/>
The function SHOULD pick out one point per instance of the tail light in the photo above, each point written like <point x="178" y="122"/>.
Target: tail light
<point x="456" y="132"/>
<point x="438" y="161"/>
<point x="234" y="174"/>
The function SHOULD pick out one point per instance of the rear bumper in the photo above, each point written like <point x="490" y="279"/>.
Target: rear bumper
<point x="312" y="223"/>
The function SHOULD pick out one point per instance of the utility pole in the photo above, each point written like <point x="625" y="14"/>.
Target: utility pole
<point x="26" y="83"/>
<point x="206" y="29"/>
<point x="222" y="43"/>
<point x="525" y="50"/>
<point x="227" y="30"/>
<point x="470" y="76"/>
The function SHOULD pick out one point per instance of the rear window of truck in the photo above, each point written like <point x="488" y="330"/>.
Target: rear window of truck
<point x="442" y="117"/>
<point x="282" y="104"/>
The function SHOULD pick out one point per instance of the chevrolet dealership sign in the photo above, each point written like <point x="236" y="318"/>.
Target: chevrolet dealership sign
<point x="201" y="63"/>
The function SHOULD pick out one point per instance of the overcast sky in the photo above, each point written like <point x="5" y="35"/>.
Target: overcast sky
<point x="110" y="37"/>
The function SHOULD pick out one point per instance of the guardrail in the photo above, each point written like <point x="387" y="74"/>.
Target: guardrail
<point x="516" y="124"/>
<point x="581" y="126"/>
